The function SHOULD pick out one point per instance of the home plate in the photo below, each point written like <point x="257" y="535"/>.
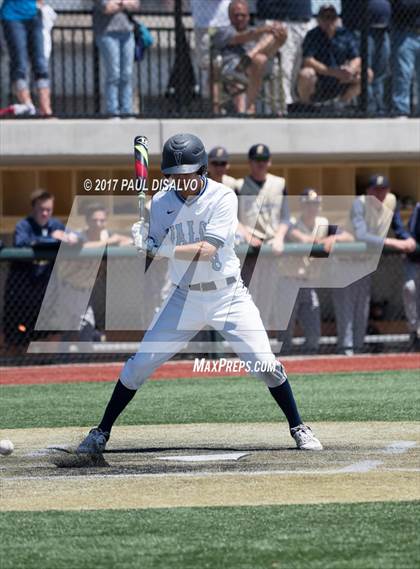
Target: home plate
<point x="205" y="457"/>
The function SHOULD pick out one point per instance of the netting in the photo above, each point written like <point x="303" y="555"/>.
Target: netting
<point x="103" y="318"/>
<point x="348" y="58"/>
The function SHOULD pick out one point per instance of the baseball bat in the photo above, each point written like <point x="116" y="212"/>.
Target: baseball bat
<point x="141" y="163"/>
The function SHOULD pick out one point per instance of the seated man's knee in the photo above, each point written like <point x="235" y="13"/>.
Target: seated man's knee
<point x="307" y="74"/>
<point x="306" y="83"/>
<point x="259" y="60"/>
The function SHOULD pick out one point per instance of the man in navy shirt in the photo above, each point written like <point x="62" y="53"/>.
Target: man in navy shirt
<point x="27" y="281"/>
<point x="331" y="61"/>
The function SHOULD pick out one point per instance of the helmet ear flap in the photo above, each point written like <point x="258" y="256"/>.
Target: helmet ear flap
<point x="202" y="171"/>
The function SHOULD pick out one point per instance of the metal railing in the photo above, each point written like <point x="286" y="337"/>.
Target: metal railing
<point x="387" y="330"/>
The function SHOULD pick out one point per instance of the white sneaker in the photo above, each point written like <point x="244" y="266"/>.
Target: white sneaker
<point x="304" y="438"/>
<point x="94" y="443"/>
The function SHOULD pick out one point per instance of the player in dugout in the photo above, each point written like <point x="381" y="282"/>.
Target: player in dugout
<point x="27" y="282"/>
<point x="219" y="166"/>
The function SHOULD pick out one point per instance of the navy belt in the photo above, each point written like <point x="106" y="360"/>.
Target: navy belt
<point x="204" y="287"/>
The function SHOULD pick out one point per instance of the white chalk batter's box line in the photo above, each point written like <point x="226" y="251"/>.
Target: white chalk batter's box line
<point x="209" y="474"/>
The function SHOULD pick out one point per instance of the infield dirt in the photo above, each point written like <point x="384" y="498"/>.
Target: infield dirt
<point x="361" y="462"/>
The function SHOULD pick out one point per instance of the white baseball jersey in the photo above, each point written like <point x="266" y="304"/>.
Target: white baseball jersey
<point x="211" y="215"/>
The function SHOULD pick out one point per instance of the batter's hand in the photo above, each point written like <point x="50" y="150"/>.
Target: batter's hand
<point x="140" y="233"/>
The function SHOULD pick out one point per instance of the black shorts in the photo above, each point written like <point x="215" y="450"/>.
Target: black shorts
<point x="328" y="88"/>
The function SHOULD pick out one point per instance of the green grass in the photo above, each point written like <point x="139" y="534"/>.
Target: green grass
<point x="389" y="396"/>
<point x="339" y="536"/>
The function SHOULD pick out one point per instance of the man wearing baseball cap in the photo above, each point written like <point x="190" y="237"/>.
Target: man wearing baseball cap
<point x="219" y="165"/>
<point x="370" y="222"/>
<point x="263" y="218"/>
<point x="263" y="211"/>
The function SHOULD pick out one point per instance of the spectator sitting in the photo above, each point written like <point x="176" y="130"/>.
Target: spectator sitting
<point x="246" y="53"/>
<point x="219" y="165"/>
<point x="405" y="54"/>
<point x="379" y="49"/>
<point x="23" y="31"/>
<point x="297" y="16"/>
<point x="27" y="281"/>
<point x="115" y="39"/>
<point x="411" y="290"/>
<point x="331" y="62"/>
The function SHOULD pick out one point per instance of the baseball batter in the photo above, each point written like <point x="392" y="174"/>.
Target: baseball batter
<point x="193" y="225"/>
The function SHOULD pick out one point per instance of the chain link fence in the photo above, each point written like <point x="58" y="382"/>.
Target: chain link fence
<point x="97" y="310"/>
<point x="345" y="59"/>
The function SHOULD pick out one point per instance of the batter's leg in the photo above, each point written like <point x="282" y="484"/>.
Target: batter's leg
<point x="159" y="344"/>
<point x="244" y="330"/>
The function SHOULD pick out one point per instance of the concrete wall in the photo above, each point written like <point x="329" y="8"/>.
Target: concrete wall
<point x="99" y="141"/>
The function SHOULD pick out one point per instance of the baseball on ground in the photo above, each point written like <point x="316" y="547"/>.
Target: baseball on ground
<point x="6" y="447"/>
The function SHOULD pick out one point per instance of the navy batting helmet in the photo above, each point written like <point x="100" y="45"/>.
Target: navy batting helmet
<point x="184" y="154"/>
